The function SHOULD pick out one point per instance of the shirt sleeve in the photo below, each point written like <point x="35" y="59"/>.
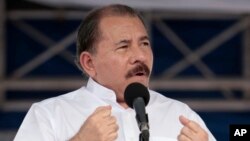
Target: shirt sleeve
<point x="36" y="126"/>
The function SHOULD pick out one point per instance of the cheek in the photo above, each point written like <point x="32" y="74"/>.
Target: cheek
<point x="150" y="57"/>
<point x="110" y="68"/>
<point x="116" y="67"/>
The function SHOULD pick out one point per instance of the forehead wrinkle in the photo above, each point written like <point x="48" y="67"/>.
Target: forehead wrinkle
<point x="118" y="36"/>
<point x="123" y="41"/>
<point x="121" y="32"/>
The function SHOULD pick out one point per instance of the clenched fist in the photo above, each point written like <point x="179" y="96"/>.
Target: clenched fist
<point x="99" y="126"/>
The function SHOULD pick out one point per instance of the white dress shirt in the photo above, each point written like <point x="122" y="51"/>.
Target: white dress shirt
<point x="60" y="118"/>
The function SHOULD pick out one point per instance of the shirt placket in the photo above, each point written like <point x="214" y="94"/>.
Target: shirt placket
<point x="130" y="131"/>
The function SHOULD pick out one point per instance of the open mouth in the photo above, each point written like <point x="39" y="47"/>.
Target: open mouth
<point x="140" y="74"/>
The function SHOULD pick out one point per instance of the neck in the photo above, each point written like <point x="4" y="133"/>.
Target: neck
<point x="123" y="104"/>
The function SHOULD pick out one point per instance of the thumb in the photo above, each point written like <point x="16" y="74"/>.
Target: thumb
<point x="184" y="121"/>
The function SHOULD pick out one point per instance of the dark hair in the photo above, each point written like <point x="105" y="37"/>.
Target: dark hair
<point x="89" y="33"/>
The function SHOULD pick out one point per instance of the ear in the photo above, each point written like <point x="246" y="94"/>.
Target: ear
<point x="86" y="62"/>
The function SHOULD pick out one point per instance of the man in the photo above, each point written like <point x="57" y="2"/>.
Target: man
<point x="113" y="49"/>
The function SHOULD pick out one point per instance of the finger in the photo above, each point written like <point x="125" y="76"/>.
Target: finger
<point x="113" y="136"/>
<point x="187" y="132"/>
<point x="190" y="124"/>
<point x="182" y="137"/>
<point x="103" y="111"/>
<point x="101" y="108"/>
<point x="110" y="120"/>
<point x="108" y="129"/>
<point x="184" y="120"/>
<point x="113" y="128"/>
<point x="194" y="126"/>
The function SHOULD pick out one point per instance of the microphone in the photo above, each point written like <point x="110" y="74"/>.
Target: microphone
<point x="137" y="97"/>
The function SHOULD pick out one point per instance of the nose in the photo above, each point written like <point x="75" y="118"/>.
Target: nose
<point x="138" y="55"/>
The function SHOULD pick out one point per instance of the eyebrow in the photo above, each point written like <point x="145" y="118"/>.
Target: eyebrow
<point x="125" y="41"/>
<point x="144" y="38"/>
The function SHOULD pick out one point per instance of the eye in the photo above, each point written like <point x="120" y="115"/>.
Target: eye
<point x="145" y="44"/>
<point x="123" y="47"/>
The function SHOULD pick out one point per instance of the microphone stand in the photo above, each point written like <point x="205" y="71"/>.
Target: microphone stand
<point x="141" y="138"/>
<point x="144" y="135"/>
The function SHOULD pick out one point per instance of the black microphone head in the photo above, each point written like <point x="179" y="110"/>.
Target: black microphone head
<point x="135" y="90"/>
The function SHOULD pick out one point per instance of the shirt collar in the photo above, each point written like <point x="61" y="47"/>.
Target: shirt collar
<point x="100" y="91"/>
